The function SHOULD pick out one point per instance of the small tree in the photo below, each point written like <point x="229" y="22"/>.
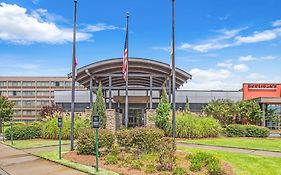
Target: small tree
<point x="249" y="112"/>
<point x="99" y="107"/>
<point x="49" y="112"/>
<point x="6" y="112"/>
<point x="163" y="110"/>
<point x="186" y="107"/>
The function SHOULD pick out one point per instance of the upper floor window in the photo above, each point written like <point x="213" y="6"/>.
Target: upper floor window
<point x="43" y="93"/>
<point x="14" y="83"/>
<point x="43" y="83"/>
<point x="3" y="83"/>
<point x="3" y="93"/>
<point x="28" y="93"/>
<point x="28" y="102"/>
<point x="14" y="93"/>
<point x="28" y="83"/>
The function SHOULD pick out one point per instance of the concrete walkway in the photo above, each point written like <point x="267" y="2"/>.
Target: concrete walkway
<point x="234" y="150"/>
<point x="17" y="162"/>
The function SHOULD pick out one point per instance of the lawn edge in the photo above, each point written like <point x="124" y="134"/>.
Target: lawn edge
<point x="254" y="149"/>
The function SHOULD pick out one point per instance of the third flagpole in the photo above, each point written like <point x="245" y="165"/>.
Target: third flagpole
<point x="127" y="66"/>
<point x="73" y="76"/>
<point x="173" y="72"/>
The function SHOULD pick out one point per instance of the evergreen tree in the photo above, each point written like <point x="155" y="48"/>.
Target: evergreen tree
<point x="186" y="107"/>
<point x="6" y="112"/>
<point x="99" y="107"/>
<point x="163" y="110"/>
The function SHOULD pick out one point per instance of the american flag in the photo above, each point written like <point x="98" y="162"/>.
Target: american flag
<point x="125" y="58"/>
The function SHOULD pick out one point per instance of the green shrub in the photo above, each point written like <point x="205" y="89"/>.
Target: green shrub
<point x="179" y="171"/>
<point x="167" y="158"/>
<point x="87" y="141"/>
<point x="111" y="160"/>
<point x="137" y="164"/>
<point x="189" y="125"/>
<point x="202" y="159"/>
<point x="150" y="168"/>
<point x="51" y="130"/>
<point x="246" y="131"/>
<point x="23" y="132"/>
<point x="144" y="139"/>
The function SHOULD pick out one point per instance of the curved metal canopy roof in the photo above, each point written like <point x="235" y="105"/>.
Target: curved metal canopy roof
<point x="140" y="70"/>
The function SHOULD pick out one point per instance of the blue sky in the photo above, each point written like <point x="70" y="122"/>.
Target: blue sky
<point x="221" y="43"/>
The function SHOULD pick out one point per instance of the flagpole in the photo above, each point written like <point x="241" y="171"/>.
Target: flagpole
<point x="173" y="73"/>
<point x="73" y="76"/>
<point x="127" y="75"/>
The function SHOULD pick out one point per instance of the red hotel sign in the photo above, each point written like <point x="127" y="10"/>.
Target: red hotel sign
<point x="262" y="86"/>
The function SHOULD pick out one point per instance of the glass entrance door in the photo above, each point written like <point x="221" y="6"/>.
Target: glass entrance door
<point x="135" y="117"/>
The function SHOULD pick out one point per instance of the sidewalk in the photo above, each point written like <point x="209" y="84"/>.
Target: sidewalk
<point x="17" y="162"/>
<point x="235" y="150"/>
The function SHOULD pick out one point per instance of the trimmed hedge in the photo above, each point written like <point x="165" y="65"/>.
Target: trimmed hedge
<point x="191" y="126"/>
<point x="246" y="131"/>
<point x="87" y="141"/>
<point x="51" y="130"/>
<point x="23" y="132"/>
<point x="144" y="139"/>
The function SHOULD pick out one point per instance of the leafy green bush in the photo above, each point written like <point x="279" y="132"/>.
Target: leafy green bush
<point x="22" y="132"/>
<point x="150" y="168"/>
<point x="137" y="164"/>
<point x="167" y="158"/>
<point x="87" y="141"/>
<point x="163" y="110"/>
<point x="202" y="159"/>
<point x="145" y="139"/>
<point x="246" y="131"/>
<point x="191" y="126"/>
<point x="179" y="171"/>
<point x="111" y="160"/>
<point x="51" y="130"/>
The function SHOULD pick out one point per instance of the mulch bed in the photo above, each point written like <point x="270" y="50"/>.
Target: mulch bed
<point x="90" y="160"/>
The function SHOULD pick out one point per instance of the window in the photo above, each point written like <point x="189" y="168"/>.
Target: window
<point x="17" y="113"/>
<point x="28" y="93"/>
<point x="58" y="83"/>
<point x="17" y="102"/>
<point x="28" y="83"/>
<point x="42" y="102"/>
<point x="68" y="83"/>
<point x="3" y="83"/>
<point x="43" y="83"/>
<point x="3" y="93"/>
<point x="43" y="93"/>
<point x="28" y="103"/>
<point x="14" y="83"/>
<point x="28" y="112"/>
<point x="14" y="93"/>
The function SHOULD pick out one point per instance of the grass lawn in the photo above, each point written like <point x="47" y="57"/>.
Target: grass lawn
<point x="33" y="143"/>
<point x="53" y="156"/>
<point x="244" y="164"/>
<point x="271" y="144"/>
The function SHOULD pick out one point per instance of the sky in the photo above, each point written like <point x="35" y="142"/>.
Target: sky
<point x="221" y="43"/>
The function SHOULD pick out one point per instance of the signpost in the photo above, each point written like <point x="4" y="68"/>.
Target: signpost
<point x="60" y="126"/>
<point x="12" y="133"/>
<point x="96" y="125"/>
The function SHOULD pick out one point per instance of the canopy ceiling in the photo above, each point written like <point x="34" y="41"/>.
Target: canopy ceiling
<point x="140" y="70"/>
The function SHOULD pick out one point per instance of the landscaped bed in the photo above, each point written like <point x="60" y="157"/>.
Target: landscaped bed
<point x="144" y="164"/>
<point x="270" y="144"/>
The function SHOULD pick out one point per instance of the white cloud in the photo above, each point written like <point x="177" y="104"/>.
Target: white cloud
<point x="247" y="58"/>
<point x="17" y="26"/>
<point x="241" y="67"/>
<point x="255" y="76"/>
<point x="227" y="64"/>
<point x="100" y="27"/>
<point x="223" y="40"/>
<point x="266" y="35"/>
<point x="276" y="23"/>
<point x="268" y="58"/>
<point x="166" y="49"/>
<point x="43" y="15"/>
<point x="34" y="1"/>
<point x="210" y="74"/>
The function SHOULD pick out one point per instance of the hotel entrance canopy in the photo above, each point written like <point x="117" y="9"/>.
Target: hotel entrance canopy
<point x="143" y="75"/>
<point x="109" y="73"/>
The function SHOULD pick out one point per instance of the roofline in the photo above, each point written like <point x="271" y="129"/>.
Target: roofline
<point x="145" y="59"/>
